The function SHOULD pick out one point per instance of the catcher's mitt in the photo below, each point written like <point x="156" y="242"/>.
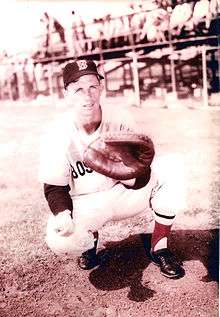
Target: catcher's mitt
<point x="121" y="154"/>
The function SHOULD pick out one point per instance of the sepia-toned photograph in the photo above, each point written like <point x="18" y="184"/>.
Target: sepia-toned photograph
<point x="103" y="104"/>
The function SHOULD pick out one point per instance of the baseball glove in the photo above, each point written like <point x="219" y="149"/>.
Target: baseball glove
<point x="120" y="154"/>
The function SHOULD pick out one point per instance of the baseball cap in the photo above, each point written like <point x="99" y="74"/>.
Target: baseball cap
<point x="72" y="71"/>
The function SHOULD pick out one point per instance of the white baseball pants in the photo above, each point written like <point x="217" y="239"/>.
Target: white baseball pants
<point x="164" y="194"/>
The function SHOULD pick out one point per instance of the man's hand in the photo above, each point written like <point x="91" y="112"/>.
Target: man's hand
<point x="129" y="182"/>
<point x="63" y="223"/>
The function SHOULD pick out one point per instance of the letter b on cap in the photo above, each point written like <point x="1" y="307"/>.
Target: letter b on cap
<point x="82" y="64"/>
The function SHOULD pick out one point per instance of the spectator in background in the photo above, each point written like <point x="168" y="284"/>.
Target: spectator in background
<point x="3" y="59"/>
<point x="41" y="77"/>
<point x="180" y="18"/>
<point x="157" y="23"/>
<point x="59" y="29"/>
<point x="165" y="4"/>
<point x="14" y="84"/>
<point x="213" y="74"/>
<point x="29" y="79"/>
<point x="94" y="33"/>
<point x="53" y="27"/>
<point x="118" y="30"/>
<point x="79" y="34"/>
<point x="137" y="20"/>
<point x="214" y="7"/>
<point x="201" y="12"/>
<point x="126" y="29"/>
<point x="108" y="31"/>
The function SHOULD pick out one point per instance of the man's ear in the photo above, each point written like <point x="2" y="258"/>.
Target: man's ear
<point x="65" y="92"/>
<point x="66" y="96"/>
<point x="101" y="86"/>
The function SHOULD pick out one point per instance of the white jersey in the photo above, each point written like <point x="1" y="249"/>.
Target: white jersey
<point x="61" y="160"/>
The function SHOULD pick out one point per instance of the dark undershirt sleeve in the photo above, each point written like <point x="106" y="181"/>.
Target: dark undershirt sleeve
<point x="58" y="198"/>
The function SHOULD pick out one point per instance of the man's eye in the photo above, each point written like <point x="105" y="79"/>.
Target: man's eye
<point x="78" y="90"/>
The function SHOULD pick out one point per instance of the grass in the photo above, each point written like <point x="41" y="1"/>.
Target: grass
<point x="23" y="214"/>
<point x="34" y="282"/>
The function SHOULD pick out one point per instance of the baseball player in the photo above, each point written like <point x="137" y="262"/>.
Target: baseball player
<point x="82" y="200"/>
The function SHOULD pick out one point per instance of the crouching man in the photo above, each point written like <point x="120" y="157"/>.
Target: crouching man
<point x="82" y="200"/>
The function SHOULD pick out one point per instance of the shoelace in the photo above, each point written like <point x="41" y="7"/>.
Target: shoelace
<point x="165" y="258"/>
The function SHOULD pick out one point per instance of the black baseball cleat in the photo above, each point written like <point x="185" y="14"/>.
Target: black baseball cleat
<point x="88" y="259"/>
<point x="169" y="266"/>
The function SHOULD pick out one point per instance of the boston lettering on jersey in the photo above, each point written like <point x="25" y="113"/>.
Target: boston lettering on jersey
<point x="80" y="169"/>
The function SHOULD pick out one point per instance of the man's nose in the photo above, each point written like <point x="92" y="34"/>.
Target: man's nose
<point x="88" y="96"/>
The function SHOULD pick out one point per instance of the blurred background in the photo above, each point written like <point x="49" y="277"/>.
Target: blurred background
<point x="149" y="49"/>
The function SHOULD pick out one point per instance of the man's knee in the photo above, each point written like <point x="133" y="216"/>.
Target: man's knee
<point x="169" y="169"/>
<point x="168" y="196"/>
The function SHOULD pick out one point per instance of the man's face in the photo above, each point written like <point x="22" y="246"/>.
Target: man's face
<point x="84" y="96"/>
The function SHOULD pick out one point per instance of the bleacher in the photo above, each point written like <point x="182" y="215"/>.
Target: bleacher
<point x="171" y="30"/>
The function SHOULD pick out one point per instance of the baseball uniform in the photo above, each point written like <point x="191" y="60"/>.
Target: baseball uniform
<point x="96" y="198"/>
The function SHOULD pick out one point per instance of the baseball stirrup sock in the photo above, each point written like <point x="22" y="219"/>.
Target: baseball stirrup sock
<point x="159" y="236"/>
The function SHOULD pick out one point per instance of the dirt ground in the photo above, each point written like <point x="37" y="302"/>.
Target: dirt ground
<point x="36" y="283"/>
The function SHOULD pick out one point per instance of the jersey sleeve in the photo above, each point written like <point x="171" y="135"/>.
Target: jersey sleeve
<point x="54" y="167"/>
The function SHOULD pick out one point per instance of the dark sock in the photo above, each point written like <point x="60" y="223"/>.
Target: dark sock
<point x="160" y="231"/>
